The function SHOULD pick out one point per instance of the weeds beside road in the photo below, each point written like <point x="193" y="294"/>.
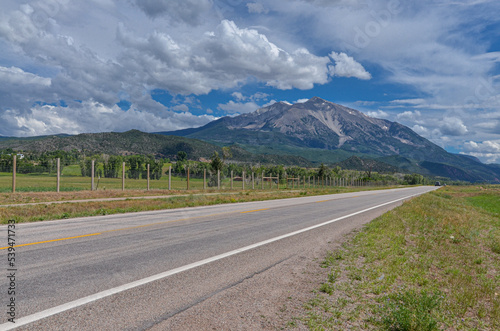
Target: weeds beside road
<point x="432" y="263"/>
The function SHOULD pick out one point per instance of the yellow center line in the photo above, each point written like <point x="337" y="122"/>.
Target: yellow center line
<point x="253" y="211"/>
<point x="53" y="240"/>
<point x="164" y="222"/>
<point x="322" y="201"/>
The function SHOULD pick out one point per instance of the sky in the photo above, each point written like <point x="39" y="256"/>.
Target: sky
<point x="70" y="66"/>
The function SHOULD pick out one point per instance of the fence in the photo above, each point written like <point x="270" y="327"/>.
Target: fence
<point x="202" y="181"/>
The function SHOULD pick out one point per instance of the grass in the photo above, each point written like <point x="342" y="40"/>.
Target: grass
<point x="432" y="263"/>
<point x="71" y="182"/>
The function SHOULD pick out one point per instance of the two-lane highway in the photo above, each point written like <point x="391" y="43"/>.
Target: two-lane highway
<point x="132" y="271"/>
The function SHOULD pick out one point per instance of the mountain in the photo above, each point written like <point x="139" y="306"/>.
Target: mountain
<point x="323" y="131"/>
<point x="137" y="142"/>
<point x="316" y="124"/>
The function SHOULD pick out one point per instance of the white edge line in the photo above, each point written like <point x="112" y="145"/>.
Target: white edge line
<point x="80" y="302"/>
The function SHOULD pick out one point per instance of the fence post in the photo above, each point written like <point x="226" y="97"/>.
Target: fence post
<point x="262" y="181"/>
<point x="123" y="176"/>
<point x="243" y="181"/>
<point x="278" y="181"/>
<point x="188" y="178"/>
<point x="253" y="181"/>
<point x="58" y="174"/>
<point x="204" y="179"/>
<point x="148" y="176"/>
<point x="169" y="177"/>
<point x="92" y="175"/>
<point x="218" y="179"/>
<point x="14" y="160"/>
<point x="231" y="179"/>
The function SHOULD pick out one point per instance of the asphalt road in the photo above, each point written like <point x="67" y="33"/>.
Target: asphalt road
<point x="133" y="271"/>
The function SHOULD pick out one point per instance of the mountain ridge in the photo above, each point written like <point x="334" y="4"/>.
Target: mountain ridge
<point x="321" y="125"/>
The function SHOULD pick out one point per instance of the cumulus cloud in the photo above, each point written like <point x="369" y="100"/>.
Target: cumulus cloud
<point x="255" y="97"/>
<point x="91" y="116"/>
<point x="186" y="11"/>
<point x="301" y="101"/>
<point x="256" y="8"/>
<point x="409" y="115"/>
<point x="453" y="126"/>
<point x="19" y="77"/>
<point x="223" y="58"/>
<point x="420" y="130"/>
<point x="483" y="147"/>
<point x="488" y="150"/>
<point x="346" y="66"/>
<point x="238" y="107"/>
<point x="378" y="114"/>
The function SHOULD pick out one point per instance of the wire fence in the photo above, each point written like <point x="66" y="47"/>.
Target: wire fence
<point x="69" y="180"/>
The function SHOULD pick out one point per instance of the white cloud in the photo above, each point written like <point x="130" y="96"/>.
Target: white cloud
<point x="378" y="114"/>
<point x="186" y="11"/>
<point x="420" y="130"/>
<point x="93" y="117"/>
<point x="256" y="8"/>
<point x="301" y="101"/>
<point x="483" y="147"/>
<point x="414" y="102"/>
<point x="19" y="77"/>
<point x="238" y="96"/>
<point x="239" y="107"/>
<point x="487" y="150"/>
<point x="346" y="66"/>
<point x="182" y="107"/>
<point x="409" y="115"/>
<point x="224" y="58"/>
<point x="453" y="126"/>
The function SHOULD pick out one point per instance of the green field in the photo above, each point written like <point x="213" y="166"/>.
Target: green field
<point x="70" y="182"/>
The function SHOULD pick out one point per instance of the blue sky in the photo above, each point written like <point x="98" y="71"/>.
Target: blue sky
<point x="158" y="65"/>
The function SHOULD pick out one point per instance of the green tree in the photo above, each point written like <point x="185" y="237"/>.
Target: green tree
<point x="216" y="162"/>
<point x="226" y="153"/>
<point x="136" y="166"/>
<point x="156" y="168"/>
<point x="111" y="166"/>
<point x="181" y="156"/>
<point x="414" y="179"/>
<point x="323" y="171"/>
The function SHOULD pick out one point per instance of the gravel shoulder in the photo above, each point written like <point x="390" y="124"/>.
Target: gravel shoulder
<point x="272" y="299"/>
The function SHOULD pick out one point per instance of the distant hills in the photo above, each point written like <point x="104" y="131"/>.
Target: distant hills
<point x="137" y="142"/>
<point x="303" y="134"/>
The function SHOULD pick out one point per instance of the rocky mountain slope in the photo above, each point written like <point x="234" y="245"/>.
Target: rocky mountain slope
<point x="317" y="126"/>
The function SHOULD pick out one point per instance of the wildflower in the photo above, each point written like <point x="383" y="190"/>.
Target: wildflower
<point x="452" y="237"/>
